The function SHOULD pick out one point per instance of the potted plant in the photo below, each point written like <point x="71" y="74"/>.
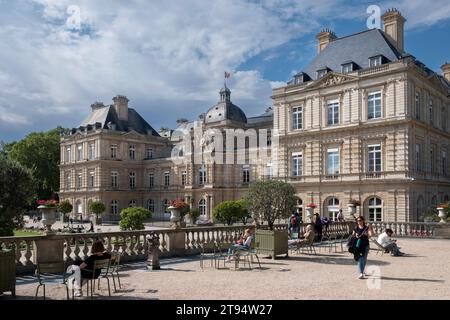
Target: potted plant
<point x="65" y="207"/>
<point x="442" y="214"/>
<point x="175" y="211"/>
<point x="271" y="200"/>
<point x="97" y="208"/>
<point x="48" y="209"/>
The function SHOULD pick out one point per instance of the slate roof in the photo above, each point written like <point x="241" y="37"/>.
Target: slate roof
<point x="263" y="118"/>
<point x="108" y="114"/>
<point x="357" y="47"/>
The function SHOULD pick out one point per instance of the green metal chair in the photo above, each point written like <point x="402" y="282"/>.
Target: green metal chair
<point x="102" y="265"/>
<point x="51" y="273"/>
<point x="114" y="268"/>
<point x="208" y="252"/>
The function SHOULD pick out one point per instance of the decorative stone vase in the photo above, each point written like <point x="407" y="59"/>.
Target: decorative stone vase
<point x="309" y="214"/>
<point x="48" y="217"/>
<point x="175" y="217"/>
<point x="442" y="214"/>
<point x="351" y="209"/>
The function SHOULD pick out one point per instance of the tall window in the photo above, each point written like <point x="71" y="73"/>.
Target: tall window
<point x="431" y="159"/>
<point x="183" y="177"/>
<point x="444" y="163"/>
<point x="375" y="209"/>
<point x="333" y="208"/>
<point x="79" y="181"/>
<point x="418" y="158"/>
<point x="132" y="152"/>
<point x="132" y="203"/>
<point x="114" y="207"/>
<point x="347" y="68"/>
<point x="79" y="152"/>
<point x="417" y="104"/>
<point x="114" y="179"/>
<point x="132" y="180"/>
<point x="297" y="164"/>
<point x="114" y="151"/>
<point x="202" y="175"/>
<point x="374" y="105"/>
<point x="166" y="179"/>
<point x="374" y="157"/>
<point x="149" y="153"/>
<point x="333" y="112"/>
<point x="151" y="205"/>
<point x="430" y="111"/>
<point x="269" y="138"/>
<point x="443" y="119"/>
<point x="68" y="154"/>
<point x="91" y="179"/>
<point x="151" y="181"/>
<point x="333" y="161"/>
<point x="202" y="207"/>
<point x="91" y="151"/>
<point x="165" y="205"/>
<point x="246" y="174"/>
<point x="269" y="171"/>
<point x="69" y="181"/>
<point x="297" y="118"/>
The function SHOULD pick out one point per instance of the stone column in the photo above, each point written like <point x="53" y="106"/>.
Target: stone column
<point x="176" y="242"/>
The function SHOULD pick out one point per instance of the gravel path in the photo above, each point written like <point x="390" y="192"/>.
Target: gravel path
<point x="421" y="274"/>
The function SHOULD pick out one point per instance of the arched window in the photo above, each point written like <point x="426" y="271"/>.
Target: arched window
<point x="79" y="207"/>
<point x="151" y="205"/>
<point x="202" y="207"/>
<point x="434" y="201"/>
<point x="332" y="208"/>
<point x="375" y="209"/>
<point x="132" y="203"/>
<point x="165" y="205"/>
<point x="114" y="207"/>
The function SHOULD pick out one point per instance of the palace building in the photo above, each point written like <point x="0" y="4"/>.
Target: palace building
<point x="365" y="121"/>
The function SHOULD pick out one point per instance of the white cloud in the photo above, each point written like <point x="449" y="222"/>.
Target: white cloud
<point x="168" y="57"/>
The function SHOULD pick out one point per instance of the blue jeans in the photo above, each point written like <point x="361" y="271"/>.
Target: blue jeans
<point x="235" y="247"/>
<point x="362" y="261"/>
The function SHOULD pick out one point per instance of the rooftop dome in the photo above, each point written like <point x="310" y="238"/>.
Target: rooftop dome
<point x="225" y="109"/>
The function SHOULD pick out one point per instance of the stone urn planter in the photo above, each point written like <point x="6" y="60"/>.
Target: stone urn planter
<point x="351" y="209"/>
<point x="310" y="213"/>
<point x="48" y="217"/>
<point x="175" y="216"/>
<point x="442" y="214"/>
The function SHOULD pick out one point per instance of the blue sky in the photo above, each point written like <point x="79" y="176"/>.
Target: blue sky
<point x="168" y="57"/>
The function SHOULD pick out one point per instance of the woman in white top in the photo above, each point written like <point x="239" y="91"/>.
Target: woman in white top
<point x="242" y="244"/>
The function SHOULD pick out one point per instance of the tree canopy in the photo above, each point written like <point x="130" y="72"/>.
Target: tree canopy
<point x="40" y="153"/>
<point x="229" y="212"/>
<point x="271" y="200"/>
<point x="15" y="194"/>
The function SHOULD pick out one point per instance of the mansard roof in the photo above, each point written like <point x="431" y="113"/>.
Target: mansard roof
<point x="107" y="118"/>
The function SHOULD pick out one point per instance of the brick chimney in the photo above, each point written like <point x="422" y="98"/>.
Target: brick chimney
<point x="97" y="105"/>
<point x="446" y="70"/>
<point x="393" y="26"/>
<point x="121" y="107"/>
<point x="324" y="38"/>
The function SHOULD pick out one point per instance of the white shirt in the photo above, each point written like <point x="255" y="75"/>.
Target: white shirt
<point x="384" y="239"/>
<point x="248" y="241"/>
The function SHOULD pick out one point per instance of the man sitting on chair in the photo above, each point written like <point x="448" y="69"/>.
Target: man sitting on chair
<point x="390" y="245"/>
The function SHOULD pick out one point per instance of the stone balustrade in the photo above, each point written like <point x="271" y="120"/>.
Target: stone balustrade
<point x="173" y="242"/>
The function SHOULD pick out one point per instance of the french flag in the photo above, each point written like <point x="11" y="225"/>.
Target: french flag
<point x="227" y="75"/>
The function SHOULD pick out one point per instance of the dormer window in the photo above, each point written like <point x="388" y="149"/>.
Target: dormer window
<point x="375" y="61"/>
<point x="321" y="73"/>
<point x="347" y="67"/>
<point x="300" y="78"/>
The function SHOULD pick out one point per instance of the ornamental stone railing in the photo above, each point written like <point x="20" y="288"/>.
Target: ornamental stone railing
<point x="173" y="242"/>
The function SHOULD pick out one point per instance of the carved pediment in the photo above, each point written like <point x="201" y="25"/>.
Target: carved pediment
<point x="332" y="79"/>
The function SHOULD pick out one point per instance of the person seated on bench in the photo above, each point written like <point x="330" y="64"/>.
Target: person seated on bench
<point x="242" y="244"/>
<point x="390" y="245"/>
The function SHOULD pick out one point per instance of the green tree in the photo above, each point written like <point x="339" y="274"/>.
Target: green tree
<point x="15" y="194"/>
<point x="271" y="200"/>
<point x="39" y="152"/>
<point x="245" y="214"/>
<point x="228" y="212"/>
<point x="65" y="207"/>
<point x="133" y="218"/>
<point x="97" y="208"/>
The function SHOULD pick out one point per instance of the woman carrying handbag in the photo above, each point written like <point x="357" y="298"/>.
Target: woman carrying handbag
<point x="360" y="244"/>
